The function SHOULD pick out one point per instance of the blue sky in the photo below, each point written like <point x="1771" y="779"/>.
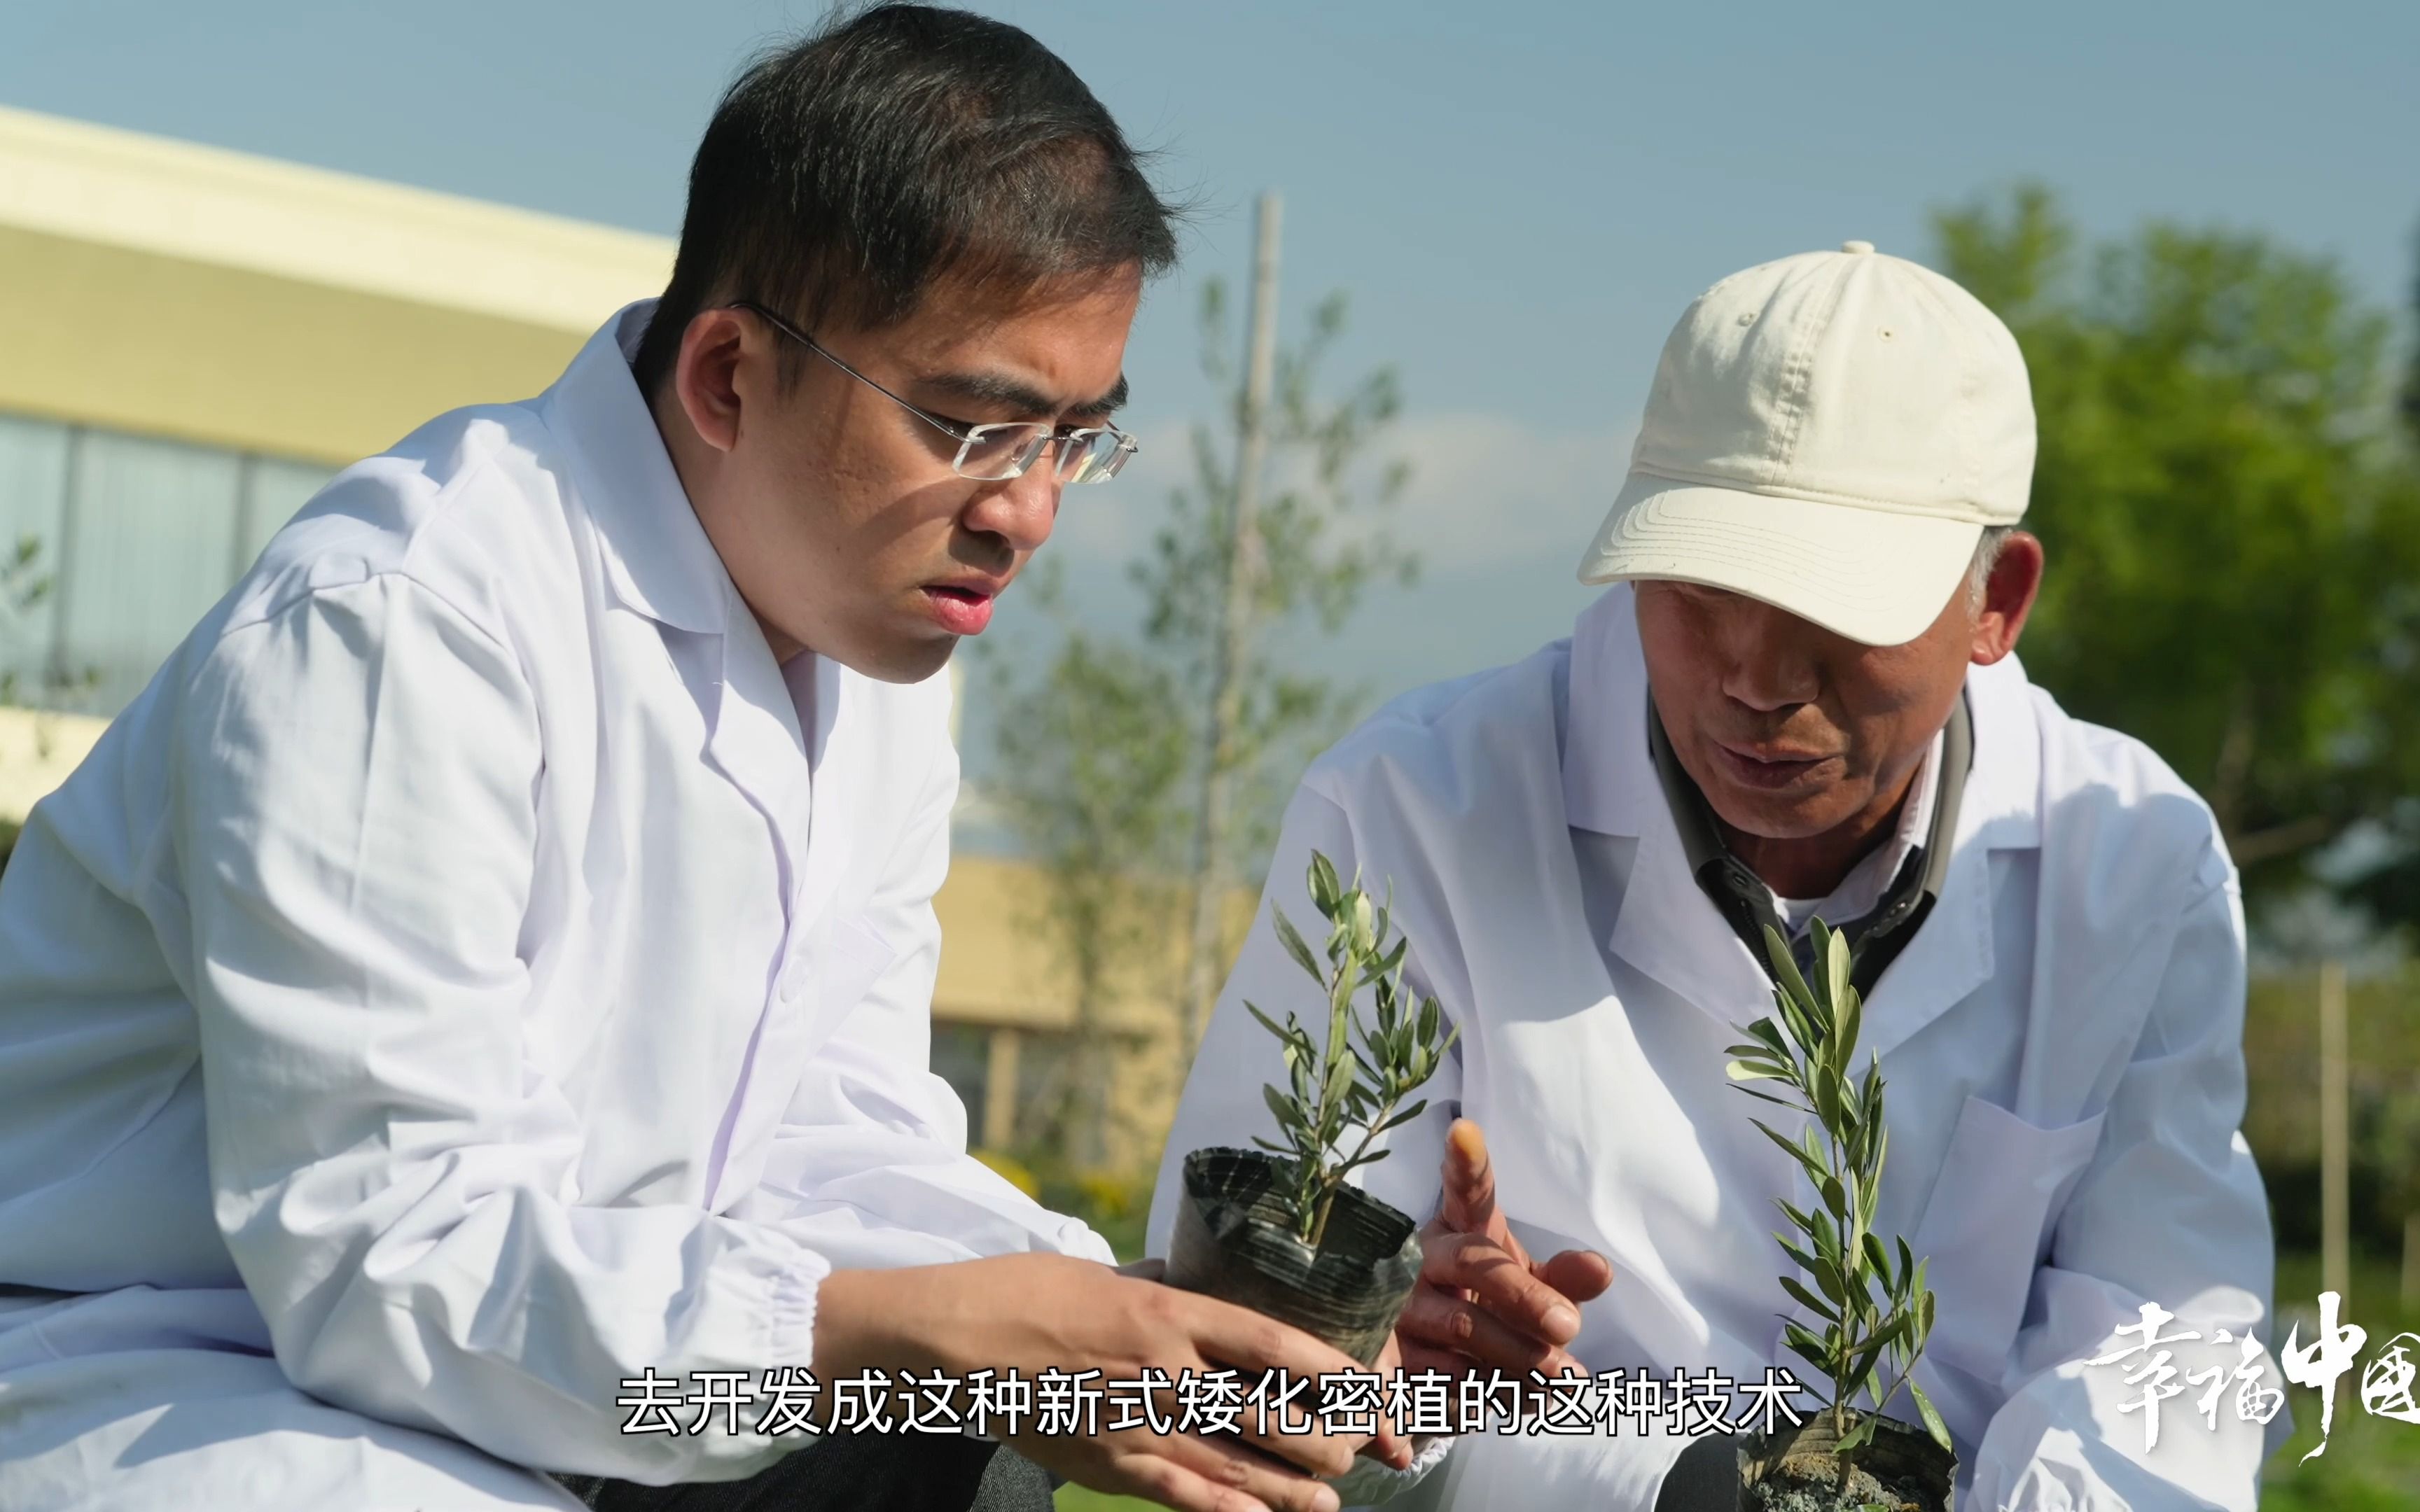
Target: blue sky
<point x="1520" y="196"/>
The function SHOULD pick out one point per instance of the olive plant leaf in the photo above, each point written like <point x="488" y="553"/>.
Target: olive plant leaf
<point x="1810" y="1302"/>
<point x="1361" y="1073"/>
<point x="1295" y="946"/>
<point x="1932" y="1414"/>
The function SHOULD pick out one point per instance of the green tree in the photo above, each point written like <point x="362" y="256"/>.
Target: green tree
<point x="1316" y="558"/>
<point x="1091" y="756"/>
<point x="1098" y="756"/>
<point x="2230" y="514"/>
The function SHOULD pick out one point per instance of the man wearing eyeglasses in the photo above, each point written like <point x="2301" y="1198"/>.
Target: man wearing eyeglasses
<point x="464" y="1032"/>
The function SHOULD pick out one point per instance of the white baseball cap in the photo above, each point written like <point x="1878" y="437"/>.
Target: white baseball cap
<point x="1829" y="433"/>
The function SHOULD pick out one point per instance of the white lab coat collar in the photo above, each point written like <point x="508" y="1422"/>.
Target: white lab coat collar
<point x="1667" y="927"/>
<point x="656" y="555"/>
<point x="661" y="563"/>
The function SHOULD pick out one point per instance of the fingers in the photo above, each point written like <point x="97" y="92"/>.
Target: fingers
<point x="1420" y="1356"/>
<point x="1246" y="1340"/>
<point x="1580" y="1274"/>
<point x="1504" y="1289"/>
<point x="1469" y="1181"/>
<point x="1445" y="1322"/>
<point x="1389" y="1447"/>
<point x="1252" y="1346"/>
<point x="1190" y="1473"/>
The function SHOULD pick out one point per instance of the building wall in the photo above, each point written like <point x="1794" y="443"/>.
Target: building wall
<point x="133" y="538"/>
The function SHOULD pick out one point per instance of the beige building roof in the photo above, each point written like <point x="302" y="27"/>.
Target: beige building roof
<point x="160" y="287"/>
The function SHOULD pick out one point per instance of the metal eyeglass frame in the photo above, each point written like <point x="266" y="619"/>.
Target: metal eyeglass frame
<point x="968" y="436"/>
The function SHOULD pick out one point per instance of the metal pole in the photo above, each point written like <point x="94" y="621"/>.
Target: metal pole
<point x="1000" y="1092"/>
<point x="2335" y="1206"/>
<point x="1206" y="958"/>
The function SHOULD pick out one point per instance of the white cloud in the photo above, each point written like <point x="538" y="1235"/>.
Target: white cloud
<point x="1485" y="489"/>
<point x="1492" y="488"/>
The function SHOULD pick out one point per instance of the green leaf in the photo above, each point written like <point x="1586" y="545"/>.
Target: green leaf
<point x="1832" y="949"/>
<point x="1768" y="1097"/>
<point x="1826" y="1092"/>
<point x="1745" y="1070"/>
<point x="1805" y="1344"/>
<point x="1857" y="1437"/>
<point x="1296" y="945"/>
<point x="1765" y="1033"/>
<point x="1289" y="1118"/>
<point x="1877" y="1257"/>
<point x="1811" y="1302"/>
<point x="1404" y="1117"/>
<point x="1326" y="891"/>
<point x="1785" y="967"/>
<point x="1865" y="1362"/>
<point x="1267" y="1023"/>
<point x="1363" y="922"/>
<point x="1812" y="1164"/>
<point x="1932" y="1423"/>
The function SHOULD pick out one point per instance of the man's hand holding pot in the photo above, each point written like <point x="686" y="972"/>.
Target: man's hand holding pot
<point x="1038" y="1312"/>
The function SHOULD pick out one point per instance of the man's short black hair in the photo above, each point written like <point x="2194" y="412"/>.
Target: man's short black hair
<point x="844" y="175"/>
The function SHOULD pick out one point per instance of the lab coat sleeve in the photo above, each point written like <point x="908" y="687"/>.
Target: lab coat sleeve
<point x="869" y="1164"/>
<point x="353" y="825"/>
<point x="2170" y="1211"/>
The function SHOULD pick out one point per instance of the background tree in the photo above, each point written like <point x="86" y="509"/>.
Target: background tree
<point x="2229" y="513"/>
<point x="2391" y="886"/>
<point x="1301" y="562"/>
<point x="1091" y="756"/>
<point x="1099" y="756"/>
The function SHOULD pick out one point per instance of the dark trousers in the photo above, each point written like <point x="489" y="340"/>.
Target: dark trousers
<point x="851" y="1473"/>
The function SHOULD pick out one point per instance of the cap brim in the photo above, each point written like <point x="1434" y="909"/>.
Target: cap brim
<point x="1876" y="576"/>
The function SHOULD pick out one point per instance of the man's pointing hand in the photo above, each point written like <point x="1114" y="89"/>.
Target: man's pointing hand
<point x="1482" y="1303"/>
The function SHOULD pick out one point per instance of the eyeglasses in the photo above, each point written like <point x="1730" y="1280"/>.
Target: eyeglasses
<point x="993" y="452"/>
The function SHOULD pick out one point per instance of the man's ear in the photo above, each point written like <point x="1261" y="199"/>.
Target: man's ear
<point x="705" y="376"/>
<point x="2008" y="597"/>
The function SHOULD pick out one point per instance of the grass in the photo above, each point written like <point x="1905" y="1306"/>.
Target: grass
<point x="1076" y="1499"/>
<point x="2372" y="1463"/>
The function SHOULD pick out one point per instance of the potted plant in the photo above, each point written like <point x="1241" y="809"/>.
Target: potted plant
<point x="1871" y="1296"/>
<point x="1277" y="1228"/>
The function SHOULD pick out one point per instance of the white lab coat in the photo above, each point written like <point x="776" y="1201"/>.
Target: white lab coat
<point x="458" y="983"/>
<point x="2061" y="1041"/>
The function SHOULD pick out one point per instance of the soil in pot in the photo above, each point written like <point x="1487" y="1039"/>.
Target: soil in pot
<point x="1794" y="1470"/>
<point x="1235" y="1239"/>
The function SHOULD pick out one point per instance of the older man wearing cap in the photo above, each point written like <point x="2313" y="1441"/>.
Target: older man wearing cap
<point x="1801" y="701"/>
